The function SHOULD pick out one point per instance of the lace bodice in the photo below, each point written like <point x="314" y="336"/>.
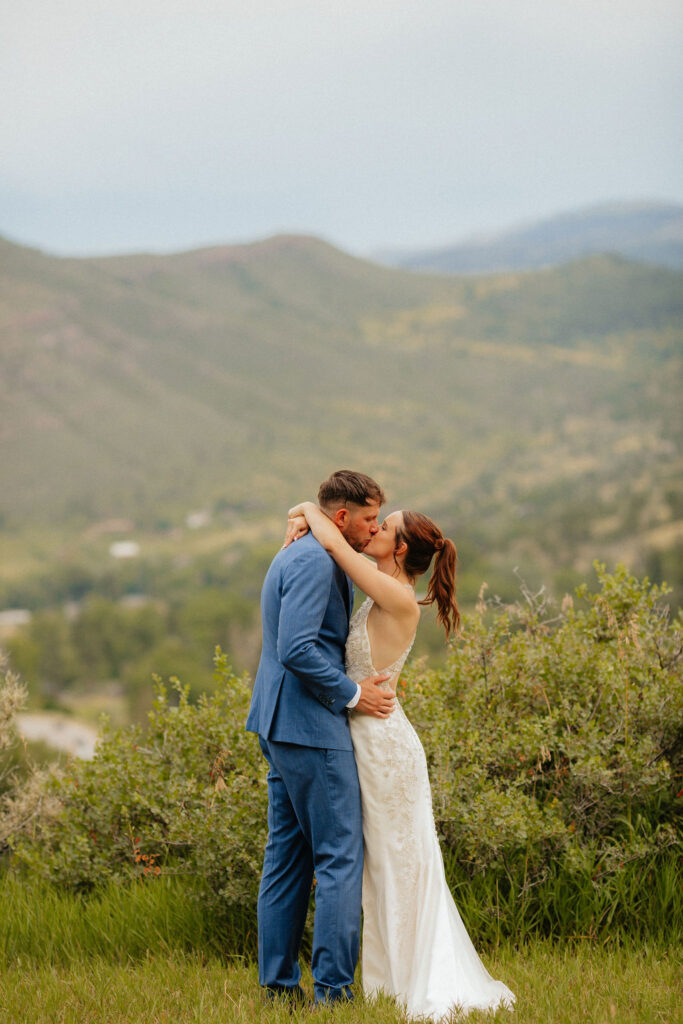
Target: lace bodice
<point x="358" y="654"/>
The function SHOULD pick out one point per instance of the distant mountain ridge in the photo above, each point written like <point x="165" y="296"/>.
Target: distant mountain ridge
<point x="645" y="232"/>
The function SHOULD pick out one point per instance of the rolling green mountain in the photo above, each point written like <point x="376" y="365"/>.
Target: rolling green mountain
<point x="648" y="232"/>
<point x="537" y="414"/>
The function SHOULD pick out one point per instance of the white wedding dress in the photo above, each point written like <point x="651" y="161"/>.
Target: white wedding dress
<point x="415" y="946"/>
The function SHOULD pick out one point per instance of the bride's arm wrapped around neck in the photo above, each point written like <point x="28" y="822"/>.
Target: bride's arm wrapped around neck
<point x="385" y="591"/>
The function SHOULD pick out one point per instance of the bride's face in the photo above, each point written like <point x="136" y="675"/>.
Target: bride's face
<point x="383" y="544"/>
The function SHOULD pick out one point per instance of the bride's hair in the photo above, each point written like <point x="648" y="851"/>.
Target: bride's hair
<point x="426" y="541"/>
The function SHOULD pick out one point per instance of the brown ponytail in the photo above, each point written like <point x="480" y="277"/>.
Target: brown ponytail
<point x="426" y="541"/>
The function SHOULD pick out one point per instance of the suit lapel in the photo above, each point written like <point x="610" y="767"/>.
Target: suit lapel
<point x="345" y="589"/>
<point x="349" y="595"/>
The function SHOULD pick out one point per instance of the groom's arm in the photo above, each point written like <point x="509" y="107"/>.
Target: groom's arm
<point x="306" y="586"/>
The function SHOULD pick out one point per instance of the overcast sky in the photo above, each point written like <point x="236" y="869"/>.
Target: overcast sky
<point x="167" y="124"/>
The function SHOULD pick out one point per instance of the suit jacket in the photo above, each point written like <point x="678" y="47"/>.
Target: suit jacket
<point x="301" y="690"/>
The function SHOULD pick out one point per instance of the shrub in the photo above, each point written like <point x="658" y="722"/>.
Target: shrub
<point x="554" y="738"/>
<point x="185" y="795"/>
<point x="12" y="700"/>
<point x="554" y="741"/>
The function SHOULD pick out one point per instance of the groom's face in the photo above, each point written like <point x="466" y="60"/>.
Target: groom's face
<point x="358" y="523"/>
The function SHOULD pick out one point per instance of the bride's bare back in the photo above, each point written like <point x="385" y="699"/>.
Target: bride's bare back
<point x="388" y="635"/>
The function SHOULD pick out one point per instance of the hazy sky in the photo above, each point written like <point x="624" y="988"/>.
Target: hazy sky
<point x="166" y="124"/>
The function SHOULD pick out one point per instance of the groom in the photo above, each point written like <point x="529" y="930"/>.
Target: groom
<point x="298" y="709"/>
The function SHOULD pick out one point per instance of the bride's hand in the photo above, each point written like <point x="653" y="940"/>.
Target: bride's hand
<point x="300" y="509"/>
<point x="296" y="527"/>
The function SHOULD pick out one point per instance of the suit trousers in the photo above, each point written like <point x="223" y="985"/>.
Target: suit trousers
<point x="314" y="827"/>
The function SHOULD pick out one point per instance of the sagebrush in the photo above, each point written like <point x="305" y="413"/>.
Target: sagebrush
<point x="554" y="739"/>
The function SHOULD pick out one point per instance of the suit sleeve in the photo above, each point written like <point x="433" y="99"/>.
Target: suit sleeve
<point x="306" y="589"/>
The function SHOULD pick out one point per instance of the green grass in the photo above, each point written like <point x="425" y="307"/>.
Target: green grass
<point x="43" y="924"/>
<point x="554" y="985"/>
<point x="641" y="902"/>
<point x="150" y="953"/>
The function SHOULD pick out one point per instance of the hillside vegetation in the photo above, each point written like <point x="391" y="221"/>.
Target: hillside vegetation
<point x="537" y="414"/>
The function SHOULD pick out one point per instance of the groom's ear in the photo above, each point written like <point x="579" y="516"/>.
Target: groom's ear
<point x="341" y="518"/>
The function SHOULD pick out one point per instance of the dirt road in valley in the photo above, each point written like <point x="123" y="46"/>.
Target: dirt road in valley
<point x="59" y="731"/>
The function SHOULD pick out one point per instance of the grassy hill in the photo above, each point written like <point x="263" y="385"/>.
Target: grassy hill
<point x="537" y="414"/>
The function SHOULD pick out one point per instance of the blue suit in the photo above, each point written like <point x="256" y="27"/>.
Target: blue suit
<point x="298" y="708"/>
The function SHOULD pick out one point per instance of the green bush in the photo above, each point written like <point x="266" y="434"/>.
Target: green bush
<point x="186" y="795"/>
<point x="554" y="743"/>
<point x="554" y="740"/>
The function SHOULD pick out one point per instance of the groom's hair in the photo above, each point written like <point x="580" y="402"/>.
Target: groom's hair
<point x="346" y="487"/>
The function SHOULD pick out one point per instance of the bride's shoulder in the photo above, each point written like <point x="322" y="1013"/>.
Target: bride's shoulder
<point x="396" y="598"/>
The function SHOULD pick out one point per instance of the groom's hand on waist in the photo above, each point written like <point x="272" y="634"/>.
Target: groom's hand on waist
<point x="373" y="700"/>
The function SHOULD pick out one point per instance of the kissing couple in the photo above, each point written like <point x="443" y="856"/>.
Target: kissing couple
<point x="349" y="799"/>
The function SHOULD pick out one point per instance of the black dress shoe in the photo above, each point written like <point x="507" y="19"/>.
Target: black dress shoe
<point x="292" y="994"/>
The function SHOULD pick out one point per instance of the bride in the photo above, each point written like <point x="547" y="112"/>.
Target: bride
<point x="415" y="946"/>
